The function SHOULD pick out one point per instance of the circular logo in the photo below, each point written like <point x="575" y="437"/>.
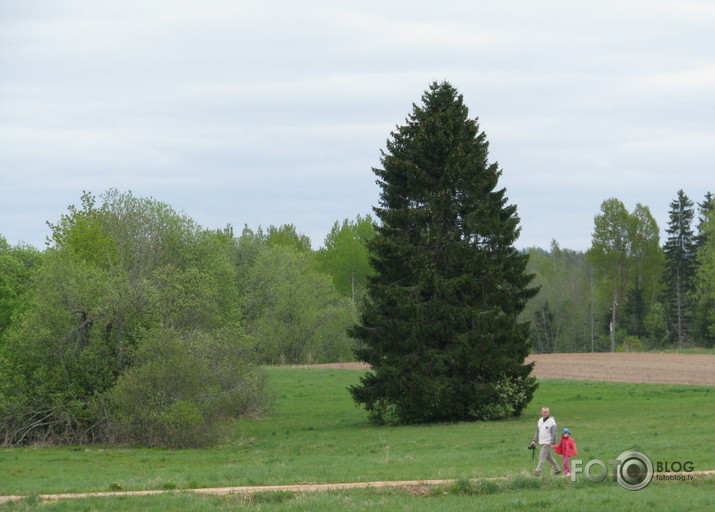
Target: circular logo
<point x="635" y="470"/>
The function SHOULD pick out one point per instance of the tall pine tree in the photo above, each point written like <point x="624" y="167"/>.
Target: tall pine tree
<point x="440" y="328"/>
<point x="679" y="275"/>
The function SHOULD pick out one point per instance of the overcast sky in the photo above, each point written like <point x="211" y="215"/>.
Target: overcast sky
<point x="272" y="112"/>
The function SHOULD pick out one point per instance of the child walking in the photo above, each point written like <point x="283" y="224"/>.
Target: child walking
<point x="567" y="448"/>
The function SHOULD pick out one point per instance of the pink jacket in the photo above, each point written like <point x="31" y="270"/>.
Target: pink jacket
<point x="567" y="446"/>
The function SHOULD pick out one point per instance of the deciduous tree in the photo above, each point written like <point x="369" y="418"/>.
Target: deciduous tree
<point x="610" y="251"/>
<point x="345" y="255"/>
<point x="117" y="276"/>
<point x="17" y="265"/>
<point x="293" y="312"/>
<point x="624" y="250"/>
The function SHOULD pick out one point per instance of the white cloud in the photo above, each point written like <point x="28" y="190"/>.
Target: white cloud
<point x="275" y="111"/>
<point x="698" y="78"/>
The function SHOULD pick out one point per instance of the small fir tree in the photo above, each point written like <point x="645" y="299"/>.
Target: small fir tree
<point x="440" y="328"/>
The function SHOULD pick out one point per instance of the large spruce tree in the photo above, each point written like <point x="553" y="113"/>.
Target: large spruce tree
<point x="440" y="329"/>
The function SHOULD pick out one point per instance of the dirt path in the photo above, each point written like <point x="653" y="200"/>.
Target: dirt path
<point x="696" y="369"/>
<point x="418" y="485"/>
<point x="242" y="490"/>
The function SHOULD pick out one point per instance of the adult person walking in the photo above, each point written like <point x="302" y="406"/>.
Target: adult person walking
<point x="545" y="436"/>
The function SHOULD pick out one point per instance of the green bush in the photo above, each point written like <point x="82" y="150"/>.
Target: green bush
<point x="184" y="424"/>
<point x="184" y="389"/>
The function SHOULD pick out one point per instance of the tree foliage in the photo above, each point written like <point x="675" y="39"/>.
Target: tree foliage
<point x="141" y="327"/>
<point x="579" y="288"/>
<point x="116" y="275"/>
<point x="545" y="330"/>
<point x="704" y="302"/>
<point x="705" y="279"/>
<point x="287" y="235"/>
<point x="562" y="313"/>
<point x="183" y="387"/>
<point x="293" y="312"/>
<point x="17" y="264"/>
<point x="624" y="246"/>
<point x="440" y="327"/>
<point x="345" y="256"/>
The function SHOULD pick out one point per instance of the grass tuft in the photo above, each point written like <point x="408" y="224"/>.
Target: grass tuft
<point x="478" y="487"/>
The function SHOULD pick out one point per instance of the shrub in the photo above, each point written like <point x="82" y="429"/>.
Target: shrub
<point x="183" y="390"/>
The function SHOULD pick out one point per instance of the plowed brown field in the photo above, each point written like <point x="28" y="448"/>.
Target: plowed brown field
<point x="697" y="369"/>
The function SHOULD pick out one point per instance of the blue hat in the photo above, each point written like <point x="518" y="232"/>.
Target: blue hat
<point x="566" y="431"/>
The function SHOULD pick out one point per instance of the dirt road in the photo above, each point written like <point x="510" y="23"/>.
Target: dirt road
<point x="419" y="486"/>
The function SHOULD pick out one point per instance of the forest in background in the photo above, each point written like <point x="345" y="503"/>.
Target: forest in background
<point x="130" y="325"/>
<point x="630" y="291"/>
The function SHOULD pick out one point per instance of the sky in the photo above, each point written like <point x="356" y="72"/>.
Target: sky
<point x="274" y="112"/>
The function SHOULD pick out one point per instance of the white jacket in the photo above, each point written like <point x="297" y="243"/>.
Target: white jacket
<point x="545" y="431"/>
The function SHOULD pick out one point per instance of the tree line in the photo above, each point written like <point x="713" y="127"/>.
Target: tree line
<point x="137" y="326"/>
<point x="629" y="291"/>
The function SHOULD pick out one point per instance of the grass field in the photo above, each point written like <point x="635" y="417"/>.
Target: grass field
<point x="317" y="435"/>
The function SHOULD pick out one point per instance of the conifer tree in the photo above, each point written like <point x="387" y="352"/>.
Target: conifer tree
<point x="705" y="210"/>
<point x="704" y="303"/>
<point x="440" y="328"/>
<point x="679" y="275"/>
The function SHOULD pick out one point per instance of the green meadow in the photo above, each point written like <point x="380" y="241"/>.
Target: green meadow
<point x="315" y="434"/>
